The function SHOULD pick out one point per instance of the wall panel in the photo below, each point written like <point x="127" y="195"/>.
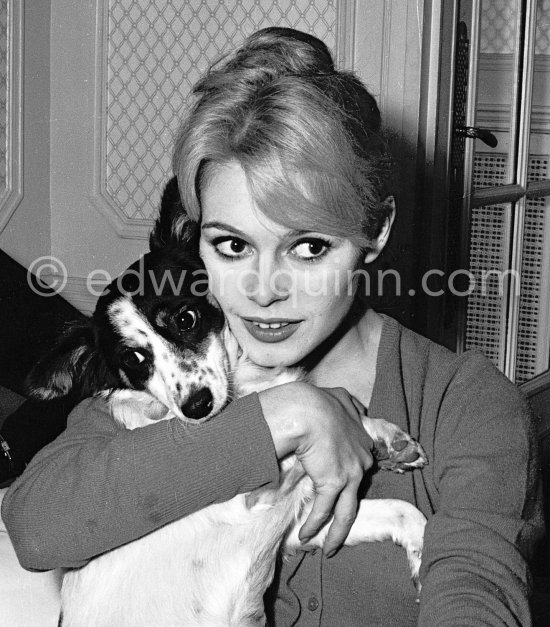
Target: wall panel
<point x="11" y="59"/>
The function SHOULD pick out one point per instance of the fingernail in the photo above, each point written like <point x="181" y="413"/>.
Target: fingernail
<point x="305" y="539"/>
<point x="330" y="554"/>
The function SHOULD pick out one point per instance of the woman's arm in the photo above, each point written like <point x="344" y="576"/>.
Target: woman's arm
<point x="99" y="486"/>
<point x="488" y="521"/>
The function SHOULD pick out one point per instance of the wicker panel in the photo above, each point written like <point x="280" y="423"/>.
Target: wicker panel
<point x="487" y="254"/>
<point x="156" y="51"/>
<point x="488" y="251"/>
<point x="490" y="169"/>
<point x="3" y="96"/>
<point x="533" y="355"/>
<point x="534" y="285"/>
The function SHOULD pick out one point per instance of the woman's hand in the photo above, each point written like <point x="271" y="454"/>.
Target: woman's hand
<point x="322" y="426"/>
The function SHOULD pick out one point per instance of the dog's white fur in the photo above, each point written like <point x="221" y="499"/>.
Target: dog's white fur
<point x="212" y="568"/>
<point x="170" y="384"/>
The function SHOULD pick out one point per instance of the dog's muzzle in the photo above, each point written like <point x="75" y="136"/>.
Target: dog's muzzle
<point x="199" y="404"/>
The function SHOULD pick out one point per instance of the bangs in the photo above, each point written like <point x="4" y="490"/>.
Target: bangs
<point x="301" y="153"/>
<point x="312" y="198"/>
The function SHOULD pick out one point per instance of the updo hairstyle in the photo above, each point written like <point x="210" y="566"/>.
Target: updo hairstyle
<point x="306" y="135"/>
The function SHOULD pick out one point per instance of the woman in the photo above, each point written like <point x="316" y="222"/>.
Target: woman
<point x="280" y="164"/>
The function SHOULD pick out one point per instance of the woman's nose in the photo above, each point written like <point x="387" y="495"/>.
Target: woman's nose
<point x="267" y="283"/>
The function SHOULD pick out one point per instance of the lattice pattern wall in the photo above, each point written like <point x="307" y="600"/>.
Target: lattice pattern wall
<point x="156" y="51"/>
<point x="498" y="19"/>
<point x="489" y="251"/>
<point x="3" y="95"/>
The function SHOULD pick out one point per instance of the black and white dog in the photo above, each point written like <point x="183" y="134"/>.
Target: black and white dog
<point x="158" y="350"/>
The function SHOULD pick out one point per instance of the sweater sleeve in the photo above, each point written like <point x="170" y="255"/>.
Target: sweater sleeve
<point x="488" y="521"/>
<point x="98" y="486"/>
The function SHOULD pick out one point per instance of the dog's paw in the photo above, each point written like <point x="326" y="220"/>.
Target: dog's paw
<point x="410" y="535"/>
<point x="413" y="545"/>
<point x="394" y="449"/>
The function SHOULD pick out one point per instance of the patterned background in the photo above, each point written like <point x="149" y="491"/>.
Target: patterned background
<point x="156" y="52"/>
<point x="498" y="26"/>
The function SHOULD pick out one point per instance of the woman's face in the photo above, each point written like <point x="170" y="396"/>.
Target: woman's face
<point x="282" y="291"/>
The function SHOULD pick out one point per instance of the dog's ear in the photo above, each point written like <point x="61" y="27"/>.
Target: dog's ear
<point x="62" y="371"/>
<point x="171" y="210"/>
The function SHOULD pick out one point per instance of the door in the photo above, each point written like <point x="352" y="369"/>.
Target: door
<point x="494" y="222"/>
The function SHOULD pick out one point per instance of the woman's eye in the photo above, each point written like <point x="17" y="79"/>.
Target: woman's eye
<point x="187" y="319"/>
<point x="311" y="249"/>
<point x="231" y="247"/>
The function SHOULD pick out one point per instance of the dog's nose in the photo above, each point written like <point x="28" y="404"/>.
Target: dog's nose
<point x="199" y="404"/>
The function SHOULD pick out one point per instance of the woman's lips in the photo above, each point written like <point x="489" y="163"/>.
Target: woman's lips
<point x="273" y="330"/>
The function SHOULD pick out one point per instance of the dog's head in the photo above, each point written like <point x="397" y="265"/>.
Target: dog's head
<point x="155" y="329"/>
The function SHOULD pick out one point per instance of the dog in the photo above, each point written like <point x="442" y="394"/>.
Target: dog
<point x="157" y="349"/>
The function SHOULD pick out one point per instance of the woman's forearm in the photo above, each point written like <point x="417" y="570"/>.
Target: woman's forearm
<point x="97" y="486"/>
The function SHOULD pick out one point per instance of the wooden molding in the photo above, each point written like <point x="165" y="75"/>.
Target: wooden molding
<point x="537" y="384"/>
<point x="13" y="193"/>
<point x="345" y="34"/>
<point x="494" y="62"/>
<point x="385" y="64"/>
<point x="81" y="292"/>
<point x="496" y="117"/>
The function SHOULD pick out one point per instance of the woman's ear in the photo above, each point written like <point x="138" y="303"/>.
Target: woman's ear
<point x="378" y="244"/>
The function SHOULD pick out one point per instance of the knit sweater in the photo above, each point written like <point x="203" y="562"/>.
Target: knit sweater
<point x="98" y="486"/>
<point x="480" y="493"/>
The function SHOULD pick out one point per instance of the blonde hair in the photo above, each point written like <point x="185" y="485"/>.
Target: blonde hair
<point x="306" y="136"/>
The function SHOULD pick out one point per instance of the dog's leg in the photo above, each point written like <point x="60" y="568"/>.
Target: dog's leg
<point x="391" y="519"/>
<point x="377" y="520"/>
<point x="394" y="449"/>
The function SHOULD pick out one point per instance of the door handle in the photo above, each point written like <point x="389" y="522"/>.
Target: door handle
<point x="474" y="132"/>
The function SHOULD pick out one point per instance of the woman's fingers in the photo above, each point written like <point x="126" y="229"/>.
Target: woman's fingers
<point x="337" y="470"/>
<point x="319" y="515"/>
<point x="323" y="428"/>
<point x="343" y="516"/>
<point x="345" y="512"/>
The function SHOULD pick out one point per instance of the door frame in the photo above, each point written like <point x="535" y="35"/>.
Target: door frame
<point x="435" y="139"/>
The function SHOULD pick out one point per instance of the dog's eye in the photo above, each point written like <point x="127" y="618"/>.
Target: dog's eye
<point x="132" y="359"/>
<point x="187" y="319"/>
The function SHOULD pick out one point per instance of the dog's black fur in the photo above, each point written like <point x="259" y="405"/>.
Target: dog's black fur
<point x="97" y="354"/>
